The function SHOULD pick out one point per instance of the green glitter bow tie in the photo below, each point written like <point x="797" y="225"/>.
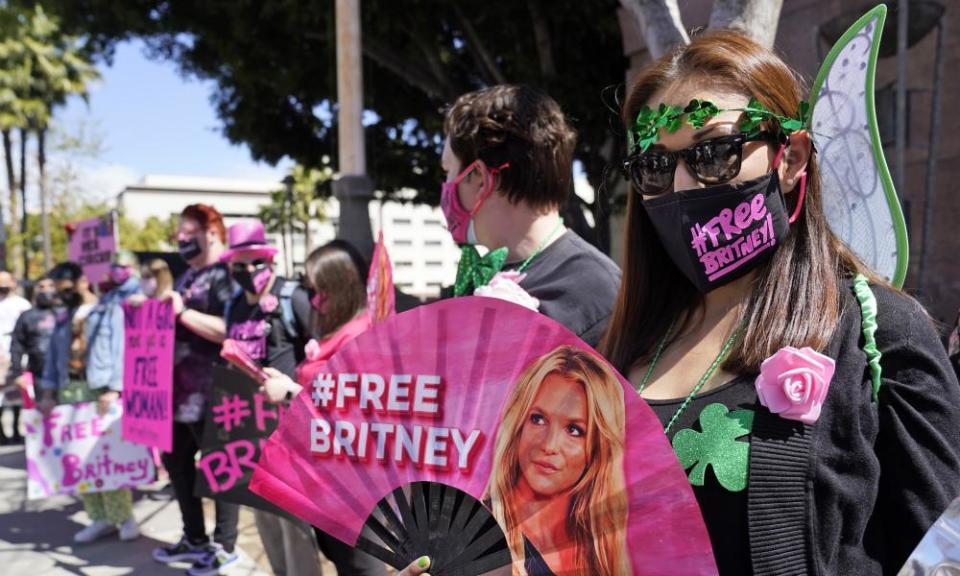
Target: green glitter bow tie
<point x="474" y="271"/>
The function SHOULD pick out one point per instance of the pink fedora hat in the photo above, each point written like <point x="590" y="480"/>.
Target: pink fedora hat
<point x="247" y="237"/>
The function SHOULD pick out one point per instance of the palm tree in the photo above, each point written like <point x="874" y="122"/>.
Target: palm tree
<point x="58" y="69"/>
<point x="280" y="216"/>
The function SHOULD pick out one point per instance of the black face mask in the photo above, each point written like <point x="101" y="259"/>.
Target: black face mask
<point x="46" y="299"/>
<point x="717" y="234"/>
<point x="70" y="297"/>
<point x="189" y="249"/>
<point x="4" y="291"/>
<point x="252" y="282"/>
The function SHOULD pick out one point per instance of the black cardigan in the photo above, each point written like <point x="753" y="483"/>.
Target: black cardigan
<point x="855" y="492"/>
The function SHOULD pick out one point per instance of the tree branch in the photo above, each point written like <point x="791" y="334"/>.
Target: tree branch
<point x="477" y="48"/>
<point x="756" y="18"/>
<point x="541" y="33"/>
<point x="660" y="24"/>
<point x="413" y="75"/>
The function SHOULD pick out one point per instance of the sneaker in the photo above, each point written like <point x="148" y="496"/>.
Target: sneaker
<point x="216" y="560"/>
<point x="98" y="529"/>
<point x="182" y="551"/>
<point x="129" y="530"/>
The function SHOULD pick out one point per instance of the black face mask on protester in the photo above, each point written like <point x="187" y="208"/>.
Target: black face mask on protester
<point x="4" y="291"/>
<point x="717" y="234"/>
<point x="252" y="282"/>
<point x="46" y="299"/>
<point x="189" y="249"/>
<point x="70" y="297"/>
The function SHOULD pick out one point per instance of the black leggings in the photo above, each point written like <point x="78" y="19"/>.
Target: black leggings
<point x="181" y="465"/>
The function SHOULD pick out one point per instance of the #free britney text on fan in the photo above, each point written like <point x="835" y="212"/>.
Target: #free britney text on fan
<point x="400" y="395"/>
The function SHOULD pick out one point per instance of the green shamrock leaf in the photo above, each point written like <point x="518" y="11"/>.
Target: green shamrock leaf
<point x="699" y="111"/>
<point x="717" y="446"/>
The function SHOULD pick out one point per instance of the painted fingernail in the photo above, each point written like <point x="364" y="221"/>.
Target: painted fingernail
<point x="423" y="562"/>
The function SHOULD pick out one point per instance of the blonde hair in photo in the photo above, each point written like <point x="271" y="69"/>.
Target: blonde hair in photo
<point x="597" y="518"/>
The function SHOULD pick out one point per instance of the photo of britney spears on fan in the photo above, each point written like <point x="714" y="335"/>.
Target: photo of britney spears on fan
<point x="557" y="484"/>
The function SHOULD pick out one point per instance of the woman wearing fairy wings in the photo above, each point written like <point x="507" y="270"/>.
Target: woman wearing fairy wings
<point x="557" y="484"/>
<point x="812" y="403"/>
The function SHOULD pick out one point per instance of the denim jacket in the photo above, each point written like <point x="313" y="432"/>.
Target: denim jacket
<point x="55" y="365"/>
<point x="104" y="332"/>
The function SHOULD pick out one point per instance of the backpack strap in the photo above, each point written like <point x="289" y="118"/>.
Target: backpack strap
<point x="868" y="314"/>
<point x="287" y="316"/>
<point x="228" y="305"/>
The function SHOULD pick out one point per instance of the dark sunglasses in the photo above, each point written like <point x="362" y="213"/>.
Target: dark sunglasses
<point x="242" y="266"/>
<point x="713" y="161"/>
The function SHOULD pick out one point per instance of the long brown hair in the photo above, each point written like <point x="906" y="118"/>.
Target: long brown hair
<point x="336" y="270"/>
<point x="796" y="297"/>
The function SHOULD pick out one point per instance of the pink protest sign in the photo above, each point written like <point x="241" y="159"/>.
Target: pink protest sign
<point x="148" y="374"/>
<point x="525" y="421"/>
<point x="75" y="451"/>
<point x="92" y="244"/>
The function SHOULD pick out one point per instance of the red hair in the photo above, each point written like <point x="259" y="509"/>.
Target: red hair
<point x="207" y="217"/>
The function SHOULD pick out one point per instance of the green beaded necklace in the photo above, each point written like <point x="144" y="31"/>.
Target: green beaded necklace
<point x="703" y="379"/>
<point x="540" y="248"/>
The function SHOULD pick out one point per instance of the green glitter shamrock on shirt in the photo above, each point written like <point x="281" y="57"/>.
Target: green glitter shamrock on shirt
<point x="717" y="446"/>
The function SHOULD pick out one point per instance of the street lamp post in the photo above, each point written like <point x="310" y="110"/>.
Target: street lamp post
<point x="287" y="219"/>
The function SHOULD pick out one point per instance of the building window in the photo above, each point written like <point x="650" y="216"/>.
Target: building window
<point x="401" y="221"/>
<point x="432" y="222"/>
<point x="400" y="243"/>
<point x="434" y="264"/>
<point x="432" y="243"/>
<point x="403" y="264"/>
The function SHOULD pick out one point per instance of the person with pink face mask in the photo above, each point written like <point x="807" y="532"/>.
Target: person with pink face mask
<point x="508" y="156"/>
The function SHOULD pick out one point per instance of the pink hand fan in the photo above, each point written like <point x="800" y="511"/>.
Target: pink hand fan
<point x="237" y="356"/>
<point x="483" y="434"/>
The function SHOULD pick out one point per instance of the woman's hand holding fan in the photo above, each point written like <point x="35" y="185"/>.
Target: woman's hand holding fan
<point x="237" y="356"/>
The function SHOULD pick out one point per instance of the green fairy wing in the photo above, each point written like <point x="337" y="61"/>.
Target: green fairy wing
<point x="860" y="201"/>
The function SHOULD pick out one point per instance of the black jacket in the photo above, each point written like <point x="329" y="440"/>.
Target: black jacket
<point x="31" y="337"/>
<point x="855" y="492"/>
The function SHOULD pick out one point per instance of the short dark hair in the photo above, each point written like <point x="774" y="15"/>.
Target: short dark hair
<point x="66" y="271"/>
<point x="522" y="126"/>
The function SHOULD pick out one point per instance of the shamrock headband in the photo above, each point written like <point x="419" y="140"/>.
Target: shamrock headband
<point x="646" y="128"/>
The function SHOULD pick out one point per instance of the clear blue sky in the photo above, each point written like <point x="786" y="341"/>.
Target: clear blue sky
<point x="154" y="121"/>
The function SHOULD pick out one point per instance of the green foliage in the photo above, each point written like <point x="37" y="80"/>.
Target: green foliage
<point x="274" y="66"/>
<point x="717" y="446"/>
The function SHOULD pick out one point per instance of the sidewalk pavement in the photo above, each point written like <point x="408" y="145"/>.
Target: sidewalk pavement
<point x="36" y="536"/>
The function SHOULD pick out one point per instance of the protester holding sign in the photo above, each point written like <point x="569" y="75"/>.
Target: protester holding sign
<point x="198" y="303"/>
<point x="65" y="380"/>
<point x="508" y="156"/>
<point x="269" y="320"/>
<point x="819" y="396"/>
<point x="12" y="306"/>
<point x="338" y="314"/>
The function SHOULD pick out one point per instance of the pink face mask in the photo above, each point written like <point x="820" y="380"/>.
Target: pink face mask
<point x="317" y="301"/>
<point x="458" y="218"/>
<point x="119" y="274"/>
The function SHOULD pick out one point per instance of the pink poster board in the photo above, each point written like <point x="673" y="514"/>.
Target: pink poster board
<point x="455" y="393"/>
<point x="148" y="374"/>
<point x="76" y="451"/>
<point x="92" y="244"/>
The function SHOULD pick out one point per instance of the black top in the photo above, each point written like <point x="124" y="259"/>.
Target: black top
<point x="31" y="337"/>
<point x="206" y="290"/>
<point x="724" y="512"/>
<point x="259" y="329"/>
<point x="575" y="283"/>
<point x="533" y="562"/>
<point x="855" y="492"/>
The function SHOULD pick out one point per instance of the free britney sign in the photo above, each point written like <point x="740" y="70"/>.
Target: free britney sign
<point x="76" y="451"/>
<point x="506" y="406"/>
<point x="148" y="374"/>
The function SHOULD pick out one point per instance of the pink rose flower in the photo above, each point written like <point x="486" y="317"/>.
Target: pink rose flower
<point x="506" y="286"/>
<point x="312" y="350"/>
<point x="793" y="383"/>
<point x="269" y="303"/>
